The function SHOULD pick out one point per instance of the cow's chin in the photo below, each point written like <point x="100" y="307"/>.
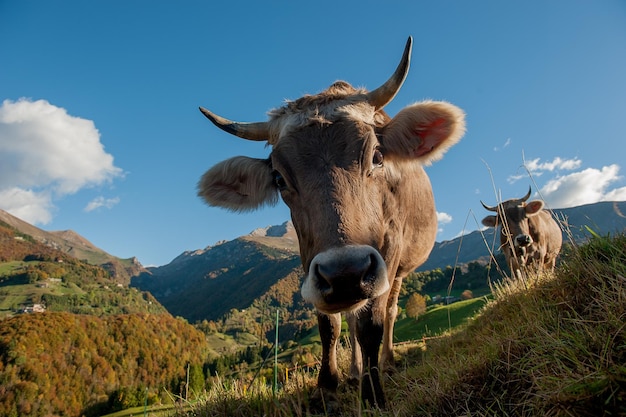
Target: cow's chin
<point x="334" y="305"/>
<point x="339" y="308"/>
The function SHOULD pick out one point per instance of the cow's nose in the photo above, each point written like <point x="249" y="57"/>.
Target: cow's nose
<point x="341" y="277"/>
<point x="356" y="273"/>
<point x="524" y="240"/>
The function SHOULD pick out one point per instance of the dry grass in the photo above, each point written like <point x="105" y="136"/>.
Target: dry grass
<point x="549" y="345"/>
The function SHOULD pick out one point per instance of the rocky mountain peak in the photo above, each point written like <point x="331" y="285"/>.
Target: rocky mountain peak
<point x="285" y="230"/>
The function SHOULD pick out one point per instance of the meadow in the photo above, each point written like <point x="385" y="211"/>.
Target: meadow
<point x="546" y="345"/>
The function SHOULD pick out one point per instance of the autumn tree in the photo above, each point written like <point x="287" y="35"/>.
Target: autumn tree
<point x="467" y="295"/>
<point x="415" y="305"/>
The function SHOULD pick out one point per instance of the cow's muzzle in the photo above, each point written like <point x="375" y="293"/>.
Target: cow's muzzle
<point x="344" y="278"/>
<point x="523" y="240"/>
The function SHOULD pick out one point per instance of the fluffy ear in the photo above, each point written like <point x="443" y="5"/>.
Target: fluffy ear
<point x="239" y="184"/>
<point x="424" y="131"/>
<point x="533" y="207"/>
<point x="490" y="221"/>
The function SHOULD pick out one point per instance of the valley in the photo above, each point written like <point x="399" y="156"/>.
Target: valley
<point x="209" y="313"/>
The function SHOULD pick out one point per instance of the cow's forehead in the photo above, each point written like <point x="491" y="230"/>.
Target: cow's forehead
<point x="339" y="102"/>
<point x="318" y="146"/>
<point x="514" y="210"/>
<point x="513" y="204"/>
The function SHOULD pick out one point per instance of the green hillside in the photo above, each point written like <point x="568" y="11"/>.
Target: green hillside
<point x="438" y="320"/>
<point x="35" y="274"/>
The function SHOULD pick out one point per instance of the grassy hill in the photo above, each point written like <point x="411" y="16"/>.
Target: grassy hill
<point x="437" y="320"/>
<point x="553" y="345"/>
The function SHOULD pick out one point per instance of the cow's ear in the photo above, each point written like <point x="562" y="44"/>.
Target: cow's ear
<point x="533" y="207"/>
<point x="423" y="131"/>
<point x="239" y="184"/>
<point x="490" y="221"/>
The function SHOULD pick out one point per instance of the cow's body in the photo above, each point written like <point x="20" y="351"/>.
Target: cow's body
<point x="360" y="202"/>
<point x="529" y="237"/>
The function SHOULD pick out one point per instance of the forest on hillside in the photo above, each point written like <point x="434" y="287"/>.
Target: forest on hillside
<point x="71" y="364"/>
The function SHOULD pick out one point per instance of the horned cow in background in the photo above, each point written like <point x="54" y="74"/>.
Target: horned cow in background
<point x="529" y="237"/>
<point x="360" y="201"/>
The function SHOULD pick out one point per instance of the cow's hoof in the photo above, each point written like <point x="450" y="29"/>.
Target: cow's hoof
<point x="389" y="369"/>
<point x="324" y="402"/>
<point x="372" y="393"/>
<point x="353" y="381"/>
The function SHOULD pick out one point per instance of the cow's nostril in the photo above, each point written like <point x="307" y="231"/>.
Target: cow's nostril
<point x="369" y="276"/>
<point x="524" y="240"/>
<point x="323" y="279"/>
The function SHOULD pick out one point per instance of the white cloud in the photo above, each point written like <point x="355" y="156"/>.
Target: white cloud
<point x="588" y="186"/>
<point x="557" y="163"/>
<point x="514" y="178"/>
<point x="536" y="168"/>
<point x="46" y="154"/>
<point x="443" y="218"/>
<point x="99" y="202"/>
<point x="505" y="145"/>
<point x="27" y="205"/>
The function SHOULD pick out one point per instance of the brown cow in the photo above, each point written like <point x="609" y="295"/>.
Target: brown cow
<point x="529" y="237"/>
<point x="360" y="201"/>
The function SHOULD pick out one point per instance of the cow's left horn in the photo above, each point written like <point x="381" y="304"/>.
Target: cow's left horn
<point x="380" y="97"/>
<point x="489" y="207"/>
<point x="527" y="196"/>
<point x="252" y="131"/>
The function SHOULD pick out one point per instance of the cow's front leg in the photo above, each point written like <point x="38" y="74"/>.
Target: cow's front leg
<point x="369" y="334"/>
<point x="356" y="363"/>
<point x="387" y="361"/>
<point x="328" y="379"/>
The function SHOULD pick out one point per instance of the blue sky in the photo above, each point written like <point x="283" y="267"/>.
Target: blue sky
<point x="100" y="130"/>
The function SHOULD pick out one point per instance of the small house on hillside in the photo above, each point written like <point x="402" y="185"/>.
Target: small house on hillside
<point x="31" y="308"/>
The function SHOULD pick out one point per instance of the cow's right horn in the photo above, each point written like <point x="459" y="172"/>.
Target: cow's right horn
<point x="527" y="196"/>
<point x="252" y="131"/>
<point x="380" y="97"/>
<point x="489" y="207"/>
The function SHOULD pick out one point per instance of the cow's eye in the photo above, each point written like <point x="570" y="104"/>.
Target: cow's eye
<point x="279" y="180"/>
<point x="377" y="158"/>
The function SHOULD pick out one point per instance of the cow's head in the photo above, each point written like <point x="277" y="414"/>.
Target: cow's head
<point x="512" y="215"/>
<point x="336" y="161"/>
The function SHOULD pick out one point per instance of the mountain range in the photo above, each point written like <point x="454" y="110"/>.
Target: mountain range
<point x="207" y="283"/>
